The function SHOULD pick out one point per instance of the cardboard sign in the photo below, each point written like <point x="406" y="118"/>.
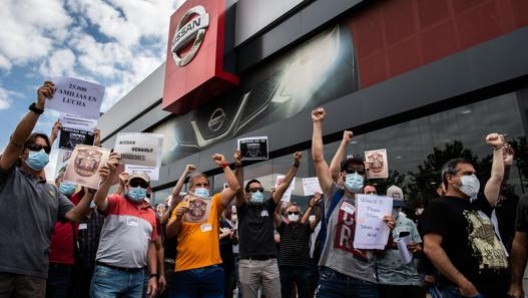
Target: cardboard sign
<point x="311" y="186"/>
<point x="198" y="210"/>
<point x="140" y="149"/>
<point x="378" y="164"/>
<point x="77" y="97"/>
<point x="62" y="161"/>
<point x="254" y="148"/>
<point x="84" y="164"/>
<point x="371" y="230"/>
<point x="286" y="197"/>
<point x="152" y="172"/>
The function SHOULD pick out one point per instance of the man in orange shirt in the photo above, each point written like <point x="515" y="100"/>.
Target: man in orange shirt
<point x="195" y="223"/>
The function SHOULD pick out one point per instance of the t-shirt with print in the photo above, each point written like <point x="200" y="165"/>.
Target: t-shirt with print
<point x="30" y="208"/>
<point x="126" y="233"/>
<point x="339" y="253"/>
<point x="468" y="239"/>
<point x="256" y="230"/>
<point x="391" y="271"/>
<point x="198" y="237"/>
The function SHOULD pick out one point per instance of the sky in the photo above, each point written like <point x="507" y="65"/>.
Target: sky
<point x="115" y="43"/>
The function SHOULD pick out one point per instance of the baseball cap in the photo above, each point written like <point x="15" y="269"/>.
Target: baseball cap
<point x="139" y="175"/>
<point x="396" y="194"/>
<point x="351" y="158"/>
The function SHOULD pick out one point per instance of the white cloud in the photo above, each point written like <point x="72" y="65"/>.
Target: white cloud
<point x="5" y="102"/>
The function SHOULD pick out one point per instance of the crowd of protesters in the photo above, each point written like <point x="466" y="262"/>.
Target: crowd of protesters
<point x="63" y="240"/>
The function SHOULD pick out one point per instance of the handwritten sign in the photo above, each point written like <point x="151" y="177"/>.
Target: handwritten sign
<point x="311" y="186"/>
<point x="254" y="148"/>
<point x="371" y="230"/>
<point x="140" y="149"/>
<point x="286" y="197"/>
<point x="378" y="164"/>
<point x="152" y="172"/>
<point x="83" y="165"/>
<point x="77" y="97"/>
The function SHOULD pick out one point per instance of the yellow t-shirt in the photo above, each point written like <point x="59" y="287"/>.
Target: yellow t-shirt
<point x="198" y="239"/>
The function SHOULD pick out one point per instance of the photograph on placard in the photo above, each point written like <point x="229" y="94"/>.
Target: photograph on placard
<point x="76" y="130"/>
<point x="378" y="165"/>
<point x="254" y="148"/>
<point x="83" y="165"/>
<point x="199" y="208"/>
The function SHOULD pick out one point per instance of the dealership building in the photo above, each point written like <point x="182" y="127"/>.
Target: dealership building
<point x="423" y="79"/>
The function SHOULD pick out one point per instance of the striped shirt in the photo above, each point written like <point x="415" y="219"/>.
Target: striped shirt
<point x="295" y="245"/>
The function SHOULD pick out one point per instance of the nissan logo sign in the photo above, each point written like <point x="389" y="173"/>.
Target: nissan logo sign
<point x="189" y="30"/>
<point x="217" y="120"/>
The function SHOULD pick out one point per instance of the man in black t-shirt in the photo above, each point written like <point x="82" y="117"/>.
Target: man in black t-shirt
<point x="258" y="253"/>
<point x="459" y="238"/>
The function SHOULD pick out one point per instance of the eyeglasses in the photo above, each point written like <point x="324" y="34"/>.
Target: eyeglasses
<point x="140" y="183"/>
<point x="292" y="212"/>
<point x="359" y="170"/>
<point x="37" y="147"/>
<point x="261" y="189"/>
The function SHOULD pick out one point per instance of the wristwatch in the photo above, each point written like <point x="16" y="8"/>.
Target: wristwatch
<point x="34" y="109"/>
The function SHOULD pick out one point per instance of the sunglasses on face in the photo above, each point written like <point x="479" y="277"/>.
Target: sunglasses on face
<point x="256" y="189"/>
<point x="140" y="183"/>
<point x="37" y="147"/>
<point x="359" y="170"/>
<point x="293" y="212"/>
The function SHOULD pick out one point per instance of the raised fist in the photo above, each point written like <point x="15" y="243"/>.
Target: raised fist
<point x="45" y="91"/>
<point x="347" y="136"/>
<point x="297" y="157"/>
<point x="219" y="159"/>
<point x="190" y="168"/>
<point x="495" y="140"/>
<point x="318" y="115"/>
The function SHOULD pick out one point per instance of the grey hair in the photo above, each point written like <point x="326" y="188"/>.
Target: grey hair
<point x="191" y="180"/>
<point x="450" y="168"/>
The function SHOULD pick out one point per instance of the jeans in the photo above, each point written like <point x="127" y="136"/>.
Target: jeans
<point x="110" y="282"/>
<point x="206" y="282"/>
<point x="333" y="284"/>
<point x="453" y="292"/>
<point x="401" y="291"/>
<point x="254" y="273"/>
<point x="59" y="277"/>
<point x="296" y="275"/>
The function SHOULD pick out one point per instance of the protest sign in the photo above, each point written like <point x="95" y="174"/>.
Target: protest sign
<point x="311" y="186"/>
<point x="254" y="148"/>
<point x="62" y="161"/>
<point x="371" y="230"/>
<point x="140" y="149"/>
<point x="84" y="164"/>
<point x="77" y="97"/>
<point x="286" y="197"/>
<point x="152" y="172"/>
<point x="378" y="164"/>
<point x="76" y="130"/>
<point x="198" y="211"/>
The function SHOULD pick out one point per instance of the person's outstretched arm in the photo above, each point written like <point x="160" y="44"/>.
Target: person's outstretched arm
<point x="281" y="188"/>
<point x="321" y="167"/>
<point x="493" y="185"/>
<point x="335" y="165"/>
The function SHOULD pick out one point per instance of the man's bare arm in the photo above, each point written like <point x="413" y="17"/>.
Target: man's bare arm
<point x="493" y="185"/>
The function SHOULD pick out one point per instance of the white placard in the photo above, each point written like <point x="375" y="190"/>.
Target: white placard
<point x="378" y="164"/>
<point x="286" y="197"/>
<point x="254" y="148"/>
<point x="152" y="172"/>
<point x="140" y="149"/>
<point x="77" y="97"/>
<point x="405" y="254"/>
<point x="371" y="230"/>
<point x="84" y="164"/>
<point x="311" y="186"/>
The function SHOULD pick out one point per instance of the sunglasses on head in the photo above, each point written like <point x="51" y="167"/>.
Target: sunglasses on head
<point x="137" y="182"/>
<point x="293" y="212"/>
<point x="256" y="189"/>
<point x="37" y="147"/>
<point x="359" y="170"/>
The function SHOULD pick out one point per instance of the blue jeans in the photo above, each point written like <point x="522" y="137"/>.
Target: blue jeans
<point x="453" y="292"/>
<point x="109" y="282"/>
<point x="301" y="276"/>
<point x="206" y="282"/>
<point x="333" y="284"/>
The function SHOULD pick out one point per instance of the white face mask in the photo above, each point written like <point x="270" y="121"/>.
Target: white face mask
<point x="470" y="186"/>
<point x="293" y="217"/>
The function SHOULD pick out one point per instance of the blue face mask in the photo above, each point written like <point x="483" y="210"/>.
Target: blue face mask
<point x="37" y="160"/>
<point x="67" y="189"/>
<point x="136" y="194"/>
<point x="201" y="192"/>
<point x="354" y="182"/>
<point x="257" y="197"/>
